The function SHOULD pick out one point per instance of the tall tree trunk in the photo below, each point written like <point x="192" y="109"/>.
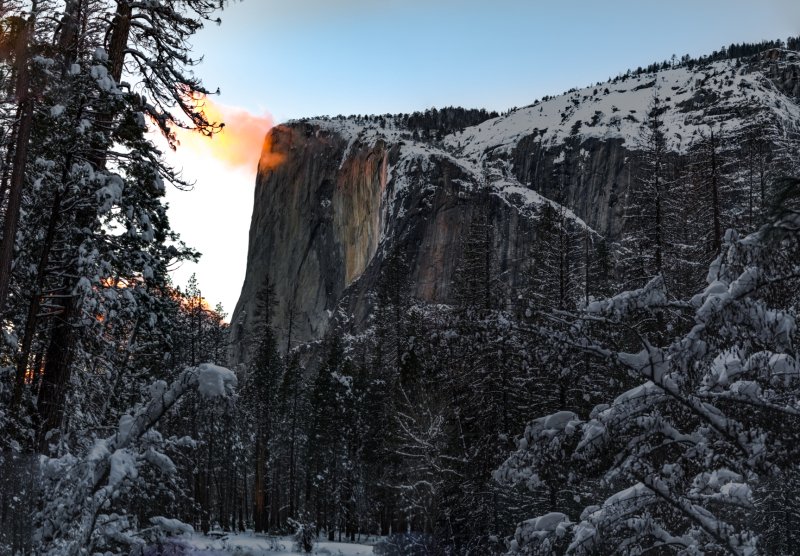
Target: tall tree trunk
<point x="292" y="464"/>
<point x="716" y="240"/>
<point x="259" y="502"/>
<point x="119" y="38"/>
<point x="35" y="302"/>
<point x="25" y="126"/>
<point x="243" y="503"/>
<point x="5" y="175"/>
<point x="52" y="394"/>
<point x="205" y="515"/>
<point x="68" y="34"/>
<point x="659" y="239"/>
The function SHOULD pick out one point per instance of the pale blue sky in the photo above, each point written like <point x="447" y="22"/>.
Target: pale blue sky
<point x="296" y="58"/>
<point x="310" y="57"/>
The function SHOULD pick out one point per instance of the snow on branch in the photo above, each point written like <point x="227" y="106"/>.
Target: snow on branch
<point x="82" y="487"/>
<point x="714" y="410"/>
<point x="653" y="294"/>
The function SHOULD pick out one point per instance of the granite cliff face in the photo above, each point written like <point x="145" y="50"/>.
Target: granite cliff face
<point x="352" y="191"/>
<point x="316" y="227"/>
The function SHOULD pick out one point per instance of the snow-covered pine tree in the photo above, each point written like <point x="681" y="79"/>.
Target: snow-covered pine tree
<point x="328" y="486"/>
<point x="491" y="386"/>
<point x="197" y="334"/>
<point x="92" y="173"/>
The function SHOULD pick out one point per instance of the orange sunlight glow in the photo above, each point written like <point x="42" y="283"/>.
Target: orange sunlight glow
<point x="243" y="142"/>
<point x="187" y="302"/>
<point x="271" y="158"/>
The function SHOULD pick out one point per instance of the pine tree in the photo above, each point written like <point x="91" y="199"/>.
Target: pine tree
<point x="261" y="399"/>
<point x="644" y="233"/>
<point x="327" y="447"/>
<point x="553" y="273"/>
<point x="473" y="286"/>
<point x="293" y="410"/>
<point x="709" y="185"/>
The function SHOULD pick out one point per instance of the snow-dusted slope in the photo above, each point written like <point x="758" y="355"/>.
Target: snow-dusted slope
<point x="692" y="100"/>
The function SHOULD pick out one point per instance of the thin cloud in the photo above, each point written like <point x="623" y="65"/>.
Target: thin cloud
<point x="240" y="143"/>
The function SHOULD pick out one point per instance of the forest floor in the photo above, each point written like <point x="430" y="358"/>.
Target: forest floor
<point x="250" y="544"/>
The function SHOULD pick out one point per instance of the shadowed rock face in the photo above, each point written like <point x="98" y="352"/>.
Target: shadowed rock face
<point x="593" y="179"/>
<point x="428" y="227"/>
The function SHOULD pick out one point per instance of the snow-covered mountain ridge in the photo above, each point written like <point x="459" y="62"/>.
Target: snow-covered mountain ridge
<point x="723" y="93"/>
<point x="352" y="191"/>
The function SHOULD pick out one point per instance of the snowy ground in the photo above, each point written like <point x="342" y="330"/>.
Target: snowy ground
<point x="250" y="544"/>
